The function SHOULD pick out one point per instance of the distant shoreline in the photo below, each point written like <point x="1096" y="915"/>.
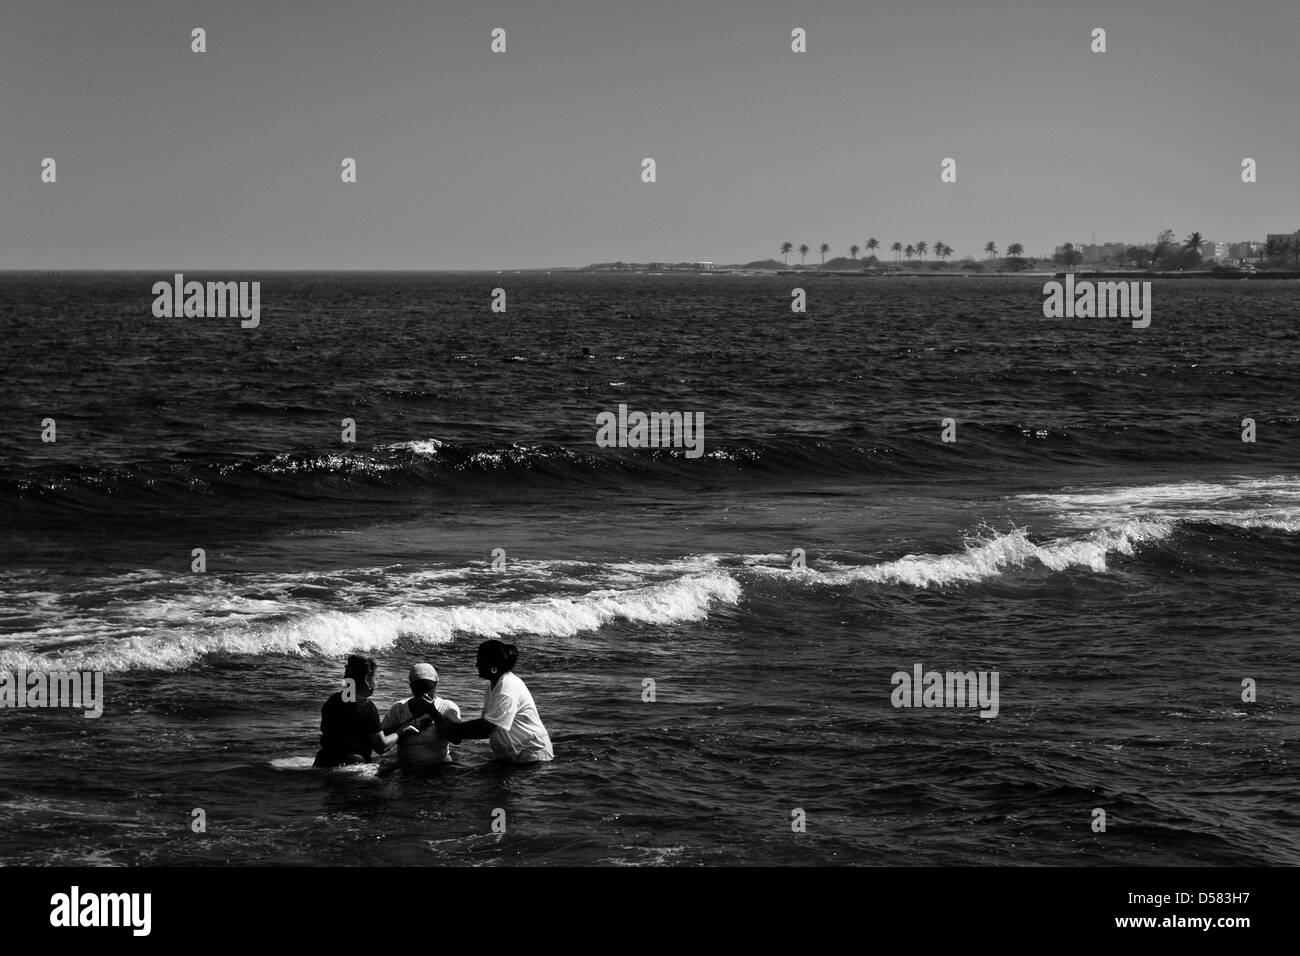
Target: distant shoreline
<point x="1132" y="274"/>
<point x="1227" y="275"/>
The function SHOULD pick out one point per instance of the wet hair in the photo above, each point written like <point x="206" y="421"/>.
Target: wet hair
<point x="362" y="670"/>
<point x="497" y="654"/>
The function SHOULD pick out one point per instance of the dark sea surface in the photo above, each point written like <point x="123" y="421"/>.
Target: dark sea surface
<point x="1099" y="535"/>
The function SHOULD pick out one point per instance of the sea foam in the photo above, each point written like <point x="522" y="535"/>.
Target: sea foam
<point x="986" y="558"/>
<point x="334" y="633"/>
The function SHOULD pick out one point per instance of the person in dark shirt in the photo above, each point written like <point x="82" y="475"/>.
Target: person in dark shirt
<point x="349" y="721"/>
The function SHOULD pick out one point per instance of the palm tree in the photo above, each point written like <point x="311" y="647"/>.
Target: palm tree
<point x="1015" y="249"/>
<point x="991" y="248"/>
<point x="922" y="249"/>
<point x="909" y="251"/>
<point x="824" y="249"/>
<point x="803" y="252"/>
<point x="896" y="248"/>
<point x="785" y="251"/>
<point x="853" y="251"/>
<point x="1193" y="243"/>
<point x="872" y="246"/>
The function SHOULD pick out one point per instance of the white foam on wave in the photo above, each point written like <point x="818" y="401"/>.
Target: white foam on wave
<point x="294" y="763"/>
<point x="332" y="462"/>
<point x="423" y="446"/>
<point x="63" y="612"/>
<point x="986" y="558"/>
<point x="1274" y="524"/>
<point x="1272" y="503"/>
<point x="335" y="633"/>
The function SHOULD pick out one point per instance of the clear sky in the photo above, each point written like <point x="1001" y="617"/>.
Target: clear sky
<point x="467" y="159"/>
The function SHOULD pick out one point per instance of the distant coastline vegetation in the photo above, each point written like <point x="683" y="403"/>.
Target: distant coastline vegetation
<point x="1167" y="254"/>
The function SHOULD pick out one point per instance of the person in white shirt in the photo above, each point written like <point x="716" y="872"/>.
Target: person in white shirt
<point x="510" y="721"/>
<point x="420" y="743"/>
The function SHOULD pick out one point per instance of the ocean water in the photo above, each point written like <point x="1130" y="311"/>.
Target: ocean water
<point x="1099" y="535"/>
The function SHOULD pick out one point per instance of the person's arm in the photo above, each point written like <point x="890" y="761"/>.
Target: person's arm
<point x="456" y="731"/>
<point x="392" y="730"/>
<point x="382" y="741"/>
<point x="502" y="711"/>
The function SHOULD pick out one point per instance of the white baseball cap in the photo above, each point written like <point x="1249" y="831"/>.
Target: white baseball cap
<point x="422" y="672"/>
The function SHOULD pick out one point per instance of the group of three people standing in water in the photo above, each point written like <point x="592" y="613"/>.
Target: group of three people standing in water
<point x="424" y="724"/>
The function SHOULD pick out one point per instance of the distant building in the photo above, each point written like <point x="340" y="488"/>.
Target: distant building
<point x="704" y="266"/>
<point x="1096" y="253"/>
<point x="1103" y="252"/>
<point x="1243" y="251"/>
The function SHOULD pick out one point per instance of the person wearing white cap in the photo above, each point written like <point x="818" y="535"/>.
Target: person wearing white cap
<point x="419" y="741"/>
